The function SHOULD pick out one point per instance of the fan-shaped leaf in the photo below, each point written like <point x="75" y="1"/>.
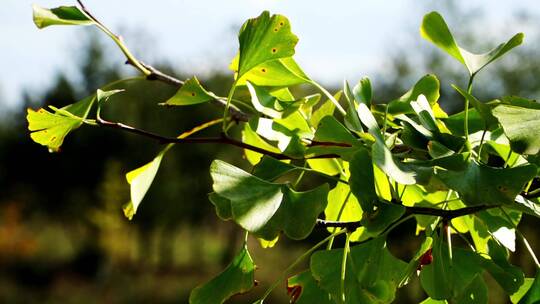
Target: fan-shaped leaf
<point x="237" y="278"/>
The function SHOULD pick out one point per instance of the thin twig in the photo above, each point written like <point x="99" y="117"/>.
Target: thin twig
<point x="151" y="72"/>
<point x="223" y="139"/>
<point x="445" y="214"/>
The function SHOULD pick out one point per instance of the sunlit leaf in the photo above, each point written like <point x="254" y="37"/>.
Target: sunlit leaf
<point x="521" y="126"/>
<point x="265" y="208"/>
<point x="190" y="93"/>
<point x="363" y="92"/>
<point x="237" y="278"/>
<point x="428" y="86"/>
<point x="264" y="39"/>
<point x="50" y="129"/>
<point x="343" y="206"/>
<point x="140" y="181"/>
<point x="250" y="137"/>
<point x="533" y="294"/>
<point x="63" y="15"/>
<point x="482" y="109"/>
<point x="435" y="30"/>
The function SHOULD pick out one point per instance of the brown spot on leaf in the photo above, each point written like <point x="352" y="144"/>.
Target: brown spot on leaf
<point x="274" y="50"/>
<point x="263" y="70"/>
<point x="294" y="292"/>
<point x="193" y="94"/>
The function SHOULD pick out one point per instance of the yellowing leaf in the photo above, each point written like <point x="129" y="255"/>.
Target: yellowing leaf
<point x="140" y="181"/>
<point x="50" y="129"/>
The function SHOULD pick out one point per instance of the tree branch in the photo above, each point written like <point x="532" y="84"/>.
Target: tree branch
<point x="151" y="72"/>
<point x="447" y="215"/>
<point x="223" y="139"/>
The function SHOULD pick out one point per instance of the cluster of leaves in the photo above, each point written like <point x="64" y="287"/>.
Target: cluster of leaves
<point x="472" y="174"/>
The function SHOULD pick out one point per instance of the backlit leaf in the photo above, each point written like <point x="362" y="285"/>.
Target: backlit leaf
<point x="265" y="208"/>
<point x="237" y="278"/>
<point x="140" y="181"/>
<point x="190" y="93"/>
<point x="435" y="30"/>
<point x="264" y="39"/>
<point x="63" y="15"/>
<point x="50" y="129"/>
<point x="521" y="126"/>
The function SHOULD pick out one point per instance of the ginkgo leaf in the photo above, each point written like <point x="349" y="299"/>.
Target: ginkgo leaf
<point x="372" y="272"/>
<point x="140" y="181"/>
<point x="50" y="129"/>
<point x="435" y="30"/>
<point x="264" y="208"/>
<point x="271" y="105"/>
<point x="521" y="125"/>
<point x="282" y="72"/>
<point x="63" y="15"/>
<point x="237" y="278"/>
<point x="479" y="184"/>
<point x="264" y="39"/>
<point x="381" y="155"/>
<point x="190" y="93"/>
<point x="303" y="289"/>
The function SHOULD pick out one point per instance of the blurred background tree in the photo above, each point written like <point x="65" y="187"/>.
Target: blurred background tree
<point x="75" y="246"/>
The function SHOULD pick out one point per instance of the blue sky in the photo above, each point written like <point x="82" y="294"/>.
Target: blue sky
<point x="338" y="39"/>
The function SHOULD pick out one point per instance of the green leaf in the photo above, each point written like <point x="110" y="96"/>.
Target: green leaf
<point x="425" y="114"/>
<point x="326" y="109"/>
<point x="435" y="30"/>
<point x="527" y="206"/>
<point x="351" y="118"/>
<point x="362" y="91"/>
<point x="372" y="272"/>
<point x="521" y="126"/>
<point x="237" y="278"/>
<point x="447" y="278"/>
<point x="222" y="205"/>
<point x="509" y="277"/>
<point x="264" y="39"/>
<point x="303" y="289"/>
<point x="63" y="15"/>
<point x="414" y="263"/>
<point x="270" y="168"/>
<point x="281" y="72"/>
<point x="428" y="86"/>
<point x="482" y="109"/>
<point x="250" y="137"/>
<point x="362" y="180"/>
<point x="514" y="298"/>
<point x="140" y="181"/>
<point x="50" y="129"/>
<point x="431" y="301"/>
<point x="533" y="295"/>
<point x="483" y="185"/>
<point x="331" y="130"/>
<point x="265" y="208"/>
<point x="190" y="93"/>
<point x="382" y="156"/>
<point x="343" y="206"/>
